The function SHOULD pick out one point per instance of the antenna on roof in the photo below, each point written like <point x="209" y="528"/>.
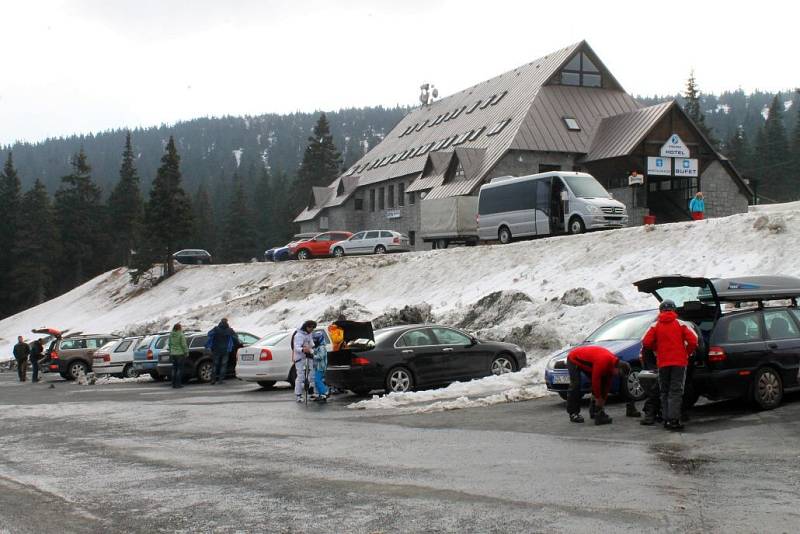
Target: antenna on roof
<point x="428" y="92"/>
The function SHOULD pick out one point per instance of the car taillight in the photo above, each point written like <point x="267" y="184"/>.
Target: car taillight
<point x="149" y="354"/>
<point x="53" y="355"/>
<point x="396" y="240"/>
<point x="53" y="367"/>
<point x="106" y="357"/>
<point x="716" y="354"/>
<point x="266" y="355"/>
<point x="359" y="361"/>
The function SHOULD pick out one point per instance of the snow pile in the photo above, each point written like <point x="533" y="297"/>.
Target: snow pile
<point x="511" y="387"/>
<point x="541" y="294"/>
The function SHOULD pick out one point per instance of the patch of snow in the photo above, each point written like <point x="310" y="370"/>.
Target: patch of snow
<point x="724" y="108"/>
<point x="787" y="105"/>
<point x="765" y="112"/>
<point x="237" y="153"/>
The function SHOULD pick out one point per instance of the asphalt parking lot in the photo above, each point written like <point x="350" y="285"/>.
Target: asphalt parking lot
<point x="142" y="457"/>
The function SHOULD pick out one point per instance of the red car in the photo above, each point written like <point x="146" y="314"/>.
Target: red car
<point x="318" y="246"/>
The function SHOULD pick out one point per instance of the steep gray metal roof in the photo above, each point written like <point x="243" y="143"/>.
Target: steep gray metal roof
<point x="544" y="128"/>
<point x="620" y="134"/>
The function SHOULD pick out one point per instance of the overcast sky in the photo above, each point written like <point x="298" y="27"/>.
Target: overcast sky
<point x="82" y="66"/>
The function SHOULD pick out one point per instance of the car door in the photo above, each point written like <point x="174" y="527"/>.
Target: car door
<point x="462" y="358"/>
<point x="355" y="244"/>
<point x="420" y="352"/>
<point x="783" y="342"/>
<point x="737" y="344"/>
<point x="370" y="242"/>
<point x="320" y="245"/>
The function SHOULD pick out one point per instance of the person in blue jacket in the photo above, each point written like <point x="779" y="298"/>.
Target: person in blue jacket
<point x="320" y="364"/>
<point x="697" y="206"/>
<point x="222" y="341"/>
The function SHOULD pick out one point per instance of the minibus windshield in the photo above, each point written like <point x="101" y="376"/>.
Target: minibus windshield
<point x="586" y="187"/>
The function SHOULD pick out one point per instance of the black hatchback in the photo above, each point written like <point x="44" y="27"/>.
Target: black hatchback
<point x="751" y="330"/>
<point x="404" y="358"/>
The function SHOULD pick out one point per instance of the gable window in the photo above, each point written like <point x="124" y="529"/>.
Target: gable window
<point x="572" y="124"/>
<point x="458" y="174"/>
<point x="340" y="189"/>
<point x="580" y="71"/>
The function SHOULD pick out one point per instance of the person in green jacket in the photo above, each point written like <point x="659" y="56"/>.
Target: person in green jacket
<point x="178" y="350"/>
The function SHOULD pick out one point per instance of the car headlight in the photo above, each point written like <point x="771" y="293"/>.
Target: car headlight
<point x="552" y="363"/>
<point x="594" y="210"/>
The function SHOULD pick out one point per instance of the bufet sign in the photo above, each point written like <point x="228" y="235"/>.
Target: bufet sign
<point x="685" y="167"/>
<point x="674" y="148"/>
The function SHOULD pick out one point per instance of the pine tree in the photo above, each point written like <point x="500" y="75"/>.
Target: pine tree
<point x="321" y="165"/>
<point x="239" y="239"/>
<point x="9" y="223"/>
<point x="81" y="220"/>
<point x="796" y="138"/>
<point x="38" y="244"/>
<point x="126" y="210"/>
<point x="281" y="213"/>
<point x="694" y="109"/>
<point x="204" y="233"/>
<point x="262" y="208"/>
<point x="773" y="155"/>
<point x="738" y="150"/>
<point x="169" y="216"/>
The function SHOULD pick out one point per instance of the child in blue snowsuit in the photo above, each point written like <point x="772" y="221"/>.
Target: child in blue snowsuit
<point x="320" y="364"/>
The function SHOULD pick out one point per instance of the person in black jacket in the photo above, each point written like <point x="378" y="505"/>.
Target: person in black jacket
<point x="37" y="349"/>
<point x="21" y="351"/>
<point x="222" y="340"/>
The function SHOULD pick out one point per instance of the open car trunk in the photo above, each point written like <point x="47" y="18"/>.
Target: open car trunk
<point x="695" y="298"/>
<point x="358" y="337"/>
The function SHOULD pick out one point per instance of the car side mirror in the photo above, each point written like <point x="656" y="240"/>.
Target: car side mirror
<point x="473" y="340"/>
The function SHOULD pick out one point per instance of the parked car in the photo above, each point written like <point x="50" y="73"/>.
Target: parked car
<point x="404" y="358"/>
<point x="283" y="254"/>
<point x="269" y="254"/>
<point x="199" y="364"/>
<point x="193" y="256"/>
<point x="71" y="355"/>
<point x="147" y="354"/>
<point x="752" y="351"/>
<point x="317" y="246"/>
<point x="269" y="360"/>
<point x="371" y="242"/>
<point x="622" y="335"/>
<point x="116" y="357"/>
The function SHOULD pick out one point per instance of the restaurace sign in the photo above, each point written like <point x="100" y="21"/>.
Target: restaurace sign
<point x="674" y="148"/>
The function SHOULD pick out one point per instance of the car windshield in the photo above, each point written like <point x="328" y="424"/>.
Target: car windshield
<point x="623" y="327"/>
<point x="272" y="339"/>
<point x="586" y="187"/>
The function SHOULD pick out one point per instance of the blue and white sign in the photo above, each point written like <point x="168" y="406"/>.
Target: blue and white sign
<point x="685" y="167"/>
<point x="674" y="148"/>
<point x="659" y="166"/>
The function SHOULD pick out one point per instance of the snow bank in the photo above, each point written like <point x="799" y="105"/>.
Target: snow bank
<point x="539" y="294"/>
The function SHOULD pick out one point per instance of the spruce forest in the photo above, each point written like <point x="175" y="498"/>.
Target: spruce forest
<point x="78" y="206"/>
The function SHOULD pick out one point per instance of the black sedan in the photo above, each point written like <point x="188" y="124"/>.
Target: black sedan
<point x="404" y="358"/>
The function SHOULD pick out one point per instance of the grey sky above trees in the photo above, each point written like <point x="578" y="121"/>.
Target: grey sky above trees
<point x="80" y="66"/>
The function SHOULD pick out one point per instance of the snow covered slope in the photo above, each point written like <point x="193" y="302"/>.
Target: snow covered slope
<point x="542" y="294"/>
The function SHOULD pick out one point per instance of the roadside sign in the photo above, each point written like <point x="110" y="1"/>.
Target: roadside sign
<point x="659" y="166"/>
<point x="674" y="148"/>
<point x="636" y="179"/>
<point x="685" y="167"/>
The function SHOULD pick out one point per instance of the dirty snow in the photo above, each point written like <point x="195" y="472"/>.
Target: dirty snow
<point x="542" y="294"/>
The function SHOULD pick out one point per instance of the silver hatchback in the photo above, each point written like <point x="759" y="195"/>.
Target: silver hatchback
<point x="371" y="242"/>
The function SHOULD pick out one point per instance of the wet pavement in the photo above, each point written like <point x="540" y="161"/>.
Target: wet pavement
<point x="142" y="457"/>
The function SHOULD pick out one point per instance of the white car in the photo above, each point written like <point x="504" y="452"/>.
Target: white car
<point x="269" y="360"/>
<point x="116" y="357"/>
<point x="371" y="242"/>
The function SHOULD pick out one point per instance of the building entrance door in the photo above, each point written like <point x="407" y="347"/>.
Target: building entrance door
<point x="668" y="197"/>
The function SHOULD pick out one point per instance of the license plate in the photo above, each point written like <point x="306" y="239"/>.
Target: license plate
<point x="247" y="357"/>
<point x="561" y="379"/>
<point x="98" y="360"/>
<point x="165" y="358"/>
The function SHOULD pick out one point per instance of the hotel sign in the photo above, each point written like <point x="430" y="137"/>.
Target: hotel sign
<point x="674" y="148"/>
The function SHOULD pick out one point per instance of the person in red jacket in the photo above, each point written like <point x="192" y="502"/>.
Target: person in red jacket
<point x="600" y="365"/>
<point x="673" y="341"/>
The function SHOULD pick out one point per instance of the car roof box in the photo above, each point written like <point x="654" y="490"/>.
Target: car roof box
<point x="756" y="288"/>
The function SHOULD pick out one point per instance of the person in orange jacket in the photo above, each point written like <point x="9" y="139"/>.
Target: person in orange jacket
<point x="673" y="341"/>
<point x="336" y="333"/>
